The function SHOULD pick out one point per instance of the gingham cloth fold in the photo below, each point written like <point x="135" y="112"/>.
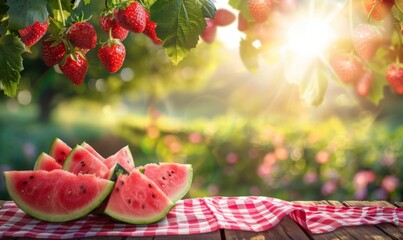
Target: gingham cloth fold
<point x="202" y="215"/>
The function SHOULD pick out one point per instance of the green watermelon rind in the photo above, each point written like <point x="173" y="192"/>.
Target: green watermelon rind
<point x="79" y="213"/>
<point x="39" y="161"/>
<point x="129" y="220"/>
<point x="115" y="171"/>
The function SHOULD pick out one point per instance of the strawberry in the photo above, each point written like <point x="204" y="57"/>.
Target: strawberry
<point x="150" y="32"/>
<point x="74" y="67"/>
<point x="223" y="17"/>
<point x="33" y="33"/>
<point x="82" y="35"/>
<point x="109" y="22"/>
<point x="52" y="51"/>
<point x="133" y="18"/>
<point x="378" y="9"/>
<point x="260" y="9"/>
<point x="209" y="33"/>
<point x="366" y="40"/>
<point x="112" y="55"/>
<point x="363" y="85"/>
<point x="347" y="67"/>
<point x="394" y="76"/>
<point x="242" y="23"/>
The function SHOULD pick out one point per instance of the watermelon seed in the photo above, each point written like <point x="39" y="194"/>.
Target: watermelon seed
<point x="170" y="181"/>
<point x="31" y="177"/>
<point x="172" y="172"/>
<point x="169" y="175"/>
<point x="122" y="183"/>
<point x="163" y="178"/>
<point x="149" y="185"/>
<point x="163" y="185"/>
<point x="129" y="201"/>
<point x="152" y="195"/>
<point x="117" y="189"/>
<point x="69" y="192"/>
<point x="24" y="183"/>
<point x="82" y="163"/>
<point x="62" y="152"/>
<point x="142" y="206"/>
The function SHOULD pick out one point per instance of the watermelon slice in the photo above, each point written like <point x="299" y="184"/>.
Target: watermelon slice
<point x="59" y="150"/>
<point x="123" y="157"/>
<point x="136" y="199"/>
<point x="56" y="196"/>
<point x="92" y="150"/>
<point x="174" y="179"/>
<point x="80" y="160"/>
<point x="46" y="162"/>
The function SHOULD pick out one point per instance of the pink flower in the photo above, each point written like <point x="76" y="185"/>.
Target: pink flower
<point x="232" y="158"/>
<point x="329" y="188"/>
<point x="281" y="153"/>
<point x="322" y="157"/>
<point x="310" y="178"/>
<point x="363" y="178"/>
<point x="269" y="158"/>
<point x="390" y="183"/>
<point x="195" y="138"/>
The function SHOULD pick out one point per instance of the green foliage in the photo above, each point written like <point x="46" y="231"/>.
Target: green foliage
<point x="22" y="13"/>
<point x="249" y="55"/>
<point x="11" y="49"/>
<point x="179" y="24"/>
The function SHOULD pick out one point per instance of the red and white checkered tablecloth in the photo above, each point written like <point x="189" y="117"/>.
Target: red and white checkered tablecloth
<point x="202" y="215"/>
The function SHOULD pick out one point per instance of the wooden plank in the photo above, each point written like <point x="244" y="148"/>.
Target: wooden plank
<point x="2" y="203"/>
<point x="216" y="235"/>
<point x="390" y="229"/>
<point x="399" y="204"/>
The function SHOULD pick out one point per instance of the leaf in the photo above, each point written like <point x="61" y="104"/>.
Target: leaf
<point x="208" y="8"/>
<point x="242" y="6"/>
<point x="313" y="86"/>
<point x="11" y="49"/>
<point x="179" y="24"/>
<point x="375" y="94"/>
<point x="67" y="6"/>
<point x="23" y="13"/>
<point x="249" y="55"/>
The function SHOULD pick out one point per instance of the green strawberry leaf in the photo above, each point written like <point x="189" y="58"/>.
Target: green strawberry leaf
<point x="67" y="6"/>
<point x="179" y="24"/>
<point x="11" y="49"/>
<point x="86" y="2"/>
<point x="313" y="86"/>
<point x="242" y="6"/>
<point x="249" y="55"/>
<point x="22" y="13"/>
<point x="208" y="8"/>
<point x="375" y="94"/>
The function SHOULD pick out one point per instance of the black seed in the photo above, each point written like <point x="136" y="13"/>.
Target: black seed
<point x="129" y="201"/>
<point x="24" y="183"/>
<point x="84" y="190"/>
<point x="152" y="195"/>
<point x="172" y="172"/>
<point x="59" y="160"/>
<point x="63" y="153"/>
<point x="81" y="187"/>
<point x="31" y="177"/>
<point x="117" y="189"/>
<point x="142" y="206"/>
<point x="149" y="185"/>
<point x="169" y="174"/>
<point x="122" y="183"/>
<point x="163" y="178"/>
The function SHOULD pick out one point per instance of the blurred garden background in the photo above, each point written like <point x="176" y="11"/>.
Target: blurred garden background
<point x="244" y="133"/>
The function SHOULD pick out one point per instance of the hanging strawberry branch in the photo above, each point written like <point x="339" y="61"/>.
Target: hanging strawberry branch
<point x="68" y="36"/>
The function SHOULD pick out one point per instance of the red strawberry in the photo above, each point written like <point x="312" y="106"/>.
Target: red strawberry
<point x="223" y="17"/>
<point x="107" y="22"/>
<point x="134" y="17"/>
<point x="394" y="75"/>
<point x="209" y="33"/>
<point x="112" y="55"/>
<point x="363" y="85"/>
<point x="33" y="33"/>
<point x="242" y="23"/>
<point x="366" y="40"/>
<point x="347" y="67"/>
<point x="150" y="32"/>
<point x="52" y="52"/>
<point x="75" y="67"/>
<point x="82" y="35"/>
<point x="260" y="9"/>
<point x="378" y="8"/>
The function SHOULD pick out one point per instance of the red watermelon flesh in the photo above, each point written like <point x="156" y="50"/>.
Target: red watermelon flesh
<point x="136" y="199"/>
<point x="174" y="179"/>
<point x="59" y="150"/>
<point x="46" y="162"/>
<point x="123" y="157"/>
<point x="81" y="161"/>
<point x="58" y="195"/>
<point x="92" y="150"/>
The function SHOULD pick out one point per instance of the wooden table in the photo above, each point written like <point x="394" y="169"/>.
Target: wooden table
<point x="288" y="229"/>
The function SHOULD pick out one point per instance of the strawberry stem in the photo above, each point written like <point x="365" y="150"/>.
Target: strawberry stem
<point x="61" y="12"/>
